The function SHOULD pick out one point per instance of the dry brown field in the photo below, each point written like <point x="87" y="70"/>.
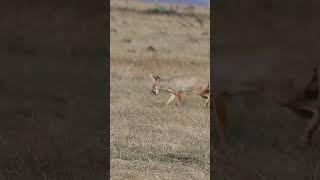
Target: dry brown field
<point x="148" y="139"/>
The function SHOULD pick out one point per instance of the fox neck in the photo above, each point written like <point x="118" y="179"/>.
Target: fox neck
<point x="164" y="84"/>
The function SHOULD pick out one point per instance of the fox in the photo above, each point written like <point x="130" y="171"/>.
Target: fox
<point x="178" y="85"/>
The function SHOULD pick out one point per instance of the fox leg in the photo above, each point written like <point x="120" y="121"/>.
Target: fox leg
<point x="313" y="126"/>
<point x="179" y="94"/>
<point x="172" y="96"/>
<point x="206" y="95"/>
<point x="207" y="102"/>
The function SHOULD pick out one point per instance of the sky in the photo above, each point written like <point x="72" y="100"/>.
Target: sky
<point x="195" y="2"/>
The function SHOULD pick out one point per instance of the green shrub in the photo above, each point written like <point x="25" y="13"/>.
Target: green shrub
<point x="161" y="10"/>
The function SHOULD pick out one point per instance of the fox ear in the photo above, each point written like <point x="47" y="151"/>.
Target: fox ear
<point x="157" y="77"/>
<point x="153" y="77"/>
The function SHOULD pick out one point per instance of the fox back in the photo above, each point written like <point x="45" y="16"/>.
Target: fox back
<point x="186" y="83"/>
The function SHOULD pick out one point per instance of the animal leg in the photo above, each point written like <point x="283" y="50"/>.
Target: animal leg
<point x="179" y="94"/>
<point x="172" y="96"/>
<point x="312" y="127"/>
<point x="207" y="102"/>
<point x="206" y="95"/>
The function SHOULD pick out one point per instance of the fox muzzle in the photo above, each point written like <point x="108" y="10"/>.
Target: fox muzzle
<point x="155" y="92"/>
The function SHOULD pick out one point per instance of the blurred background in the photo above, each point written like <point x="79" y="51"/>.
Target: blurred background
<point x="273" y="45"/>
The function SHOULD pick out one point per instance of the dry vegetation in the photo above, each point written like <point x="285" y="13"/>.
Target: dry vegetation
<point x="148" y="139"/>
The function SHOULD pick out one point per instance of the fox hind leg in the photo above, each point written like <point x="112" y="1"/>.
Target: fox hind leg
<point x="206" y="95"/>
<point x="179" y="97"/>
<point x="207" y="102"/>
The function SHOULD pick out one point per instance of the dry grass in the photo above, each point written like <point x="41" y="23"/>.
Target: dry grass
<point x="148" y="139"/>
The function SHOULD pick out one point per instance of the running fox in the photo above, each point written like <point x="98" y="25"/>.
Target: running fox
<point x="178" y="85"/>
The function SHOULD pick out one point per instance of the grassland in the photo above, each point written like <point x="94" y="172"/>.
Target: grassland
<point x="148" y="139"/>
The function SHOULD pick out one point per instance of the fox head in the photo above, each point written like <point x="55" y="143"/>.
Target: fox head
<point x="156" y="84"/>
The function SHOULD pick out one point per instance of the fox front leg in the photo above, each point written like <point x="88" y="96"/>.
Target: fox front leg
<point x="171" y="98"/>
<point x="174" y="95"/>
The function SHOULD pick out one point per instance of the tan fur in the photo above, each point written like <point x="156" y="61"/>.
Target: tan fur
<point x="179" y="85"/>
